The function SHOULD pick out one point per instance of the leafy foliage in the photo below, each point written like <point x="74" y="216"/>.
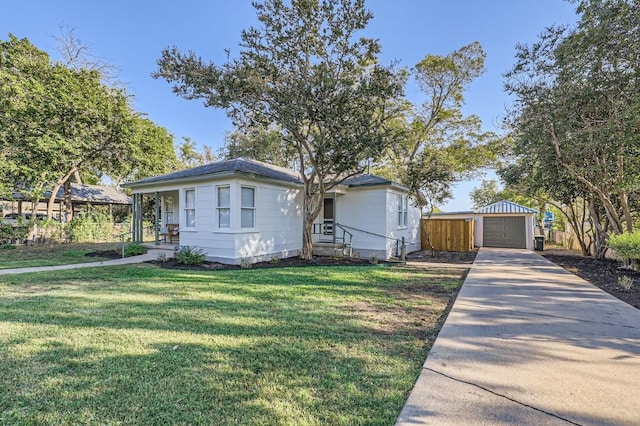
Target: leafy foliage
<point x="441" y="146"/>
<point x="57" y="121"/>
<point x="93" y="226"/>
<point x="305" y="72"/>
<point x="134" y="249"/>
<point x="191" y="255"/>
<point x="627" y="246"/>
<point x="575" y="121"/>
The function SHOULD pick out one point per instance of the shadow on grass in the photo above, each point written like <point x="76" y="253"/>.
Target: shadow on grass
<point x="139" y="345"/>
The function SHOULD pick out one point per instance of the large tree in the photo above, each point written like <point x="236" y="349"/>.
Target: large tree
<point x="58" y="121"/>
<point x="577" y="106"/>
<point x="441" y="145"/>
<point x="304" y="70"/>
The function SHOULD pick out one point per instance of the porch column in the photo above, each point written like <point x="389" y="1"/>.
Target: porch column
<point x="335" y="218"/>
<point x="156" y="224"/>
<point x="133" y="215"/>
<point x="140" y="236"/>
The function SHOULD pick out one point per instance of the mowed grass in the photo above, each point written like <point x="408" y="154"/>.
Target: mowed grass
<point x="50" y="255"/>
<point x="142" y="345"/>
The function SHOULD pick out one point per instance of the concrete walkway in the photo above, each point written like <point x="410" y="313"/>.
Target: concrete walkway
<point x="150" y="255"/>
<point x="528" y="343"/>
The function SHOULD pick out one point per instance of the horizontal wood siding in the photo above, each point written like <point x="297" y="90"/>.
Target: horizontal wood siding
<point x="447" y="234"/>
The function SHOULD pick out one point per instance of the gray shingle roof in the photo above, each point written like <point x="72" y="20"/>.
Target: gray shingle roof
<point x="506" y="207"/>
<point x="253" y="167"/>
<point x="366" y="180"/>
<point x="237" y="165"/>
<point x="83" y="193"/>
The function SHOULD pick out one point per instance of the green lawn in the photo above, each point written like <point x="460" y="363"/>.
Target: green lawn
<point x="143" y="345"/>
<point x="50" y="255"/>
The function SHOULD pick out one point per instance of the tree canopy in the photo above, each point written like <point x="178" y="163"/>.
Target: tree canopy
<point x="304" y="71"/>
<point x="575" y="119"/>
<point x="59" y="121"/>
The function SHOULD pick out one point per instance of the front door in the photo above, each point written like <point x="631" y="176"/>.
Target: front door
<point x="327" y="218"/>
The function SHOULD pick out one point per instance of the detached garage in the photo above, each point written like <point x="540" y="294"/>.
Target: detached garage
<point x="502" y="224"/>
<point x="505" y="224"/>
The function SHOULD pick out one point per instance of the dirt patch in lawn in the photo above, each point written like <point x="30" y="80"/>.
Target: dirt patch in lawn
<point x="443" y="256"/>
<point x="603" y="273"/>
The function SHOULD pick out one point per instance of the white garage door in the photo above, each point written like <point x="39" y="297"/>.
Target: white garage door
<point x="507" y="232"/>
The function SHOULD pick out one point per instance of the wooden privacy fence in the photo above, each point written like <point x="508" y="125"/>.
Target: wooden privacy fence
<point x="447" y="234"/>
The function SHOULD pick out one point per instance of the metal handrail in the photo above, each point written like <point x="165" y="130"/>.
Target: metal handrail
<point x="401" y="247"/>
<point x="368" y="232"/>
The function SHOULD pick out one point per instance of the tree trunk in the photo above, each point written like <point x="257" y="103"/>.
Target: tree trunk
<point x="55" y="189"/>
<point x="311" y="209"/>
<point x="68" y="204"/>
<point x="599" y="232"/>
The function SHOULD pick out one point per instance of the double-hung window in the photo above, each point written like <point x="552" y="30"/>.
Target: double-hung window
<point x="224" y="206"/>
<point x="247" y="207"/>
<point x="190" y="208"/>
<point x="403" y="204"/>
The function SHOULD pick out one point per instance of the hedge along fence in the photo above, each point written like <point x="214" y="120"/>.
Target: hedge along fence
<point x="627" y="247"/>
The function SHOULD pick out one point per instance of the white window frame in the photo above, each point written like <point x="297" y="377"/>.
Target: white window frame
<point x="251" y="208"/>
<point x="402" y="210"/>
<point x="169" y="206"/>
<point x="220" y="208"/>
<point x="188" y="209"/>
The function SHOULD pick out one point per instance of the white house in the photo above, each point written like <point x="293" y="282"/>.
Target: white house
<point x="501" y="224"/>
<point x="245" y="209"/>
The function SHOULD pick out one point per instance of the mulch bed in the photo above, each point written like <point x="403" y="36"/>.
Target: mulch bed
<point x="602" y="273"/>
<point x="172" y="263"/>
<point x="443" y="256"/>
<point x="107" y="254"/>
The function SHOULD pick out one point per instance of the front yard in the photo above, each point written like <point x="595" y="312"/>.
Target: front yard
<point x="144" y="345"/>
<point x="22" y="256"/>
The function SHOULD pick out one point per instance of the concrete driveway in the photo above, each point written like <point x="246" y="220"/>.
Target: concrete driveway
<point x="528" y="343"/>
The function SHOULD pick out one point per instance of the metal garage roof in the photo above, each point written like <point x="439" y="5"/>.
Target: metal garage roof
<point x="506" y="207"/>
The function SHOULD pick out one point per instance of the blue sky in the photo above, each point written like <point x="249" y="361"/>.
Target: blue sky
<point x="131" y="35"/>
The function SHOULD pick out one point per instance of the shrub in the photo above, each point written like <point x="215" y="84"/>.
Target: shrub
<point x="245" y="263"/>
<point x="10" y="234"/>
<point x="373" y="259"/>
<point x="191" y="255"/>
<point x="52" y="231"/>
<point x="134" y="249"/>
<point x="7" y="247"/>
<point x="627" y="247"/>
<point x="162" y="258"/>
<point x="626" y="282"/>
<point x="274" y="260"/>
<point x="91" y="227"/>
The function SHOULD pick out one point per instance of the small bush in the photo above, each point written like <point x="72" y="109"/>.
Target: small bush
<point x="626" y="282"/>
<point x="91" y="227"/>
<point x="373" y="259"/>
<point x="162" y="258"/>
<point x="9" y="234"/>
<point x="191" y="255"/>
<point x="627" y="247"/>
<point x="7" y="247"/>
<point x="245" y="263"/>
<point x="134" y="249"/>
<point x="52" y="231"/>
<point x="274" y="260"/>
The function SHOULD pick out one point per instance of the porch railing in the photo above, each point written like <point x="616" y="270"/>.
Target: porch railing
<point x="338" y="232"/>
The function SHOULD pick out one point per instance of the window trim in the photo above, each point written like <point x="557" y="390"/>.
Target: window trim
<point x="186" y="209"/>
<point x="219" y="208"/>
<point x="402" y="211"/>
<point x="253" y="208"/>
